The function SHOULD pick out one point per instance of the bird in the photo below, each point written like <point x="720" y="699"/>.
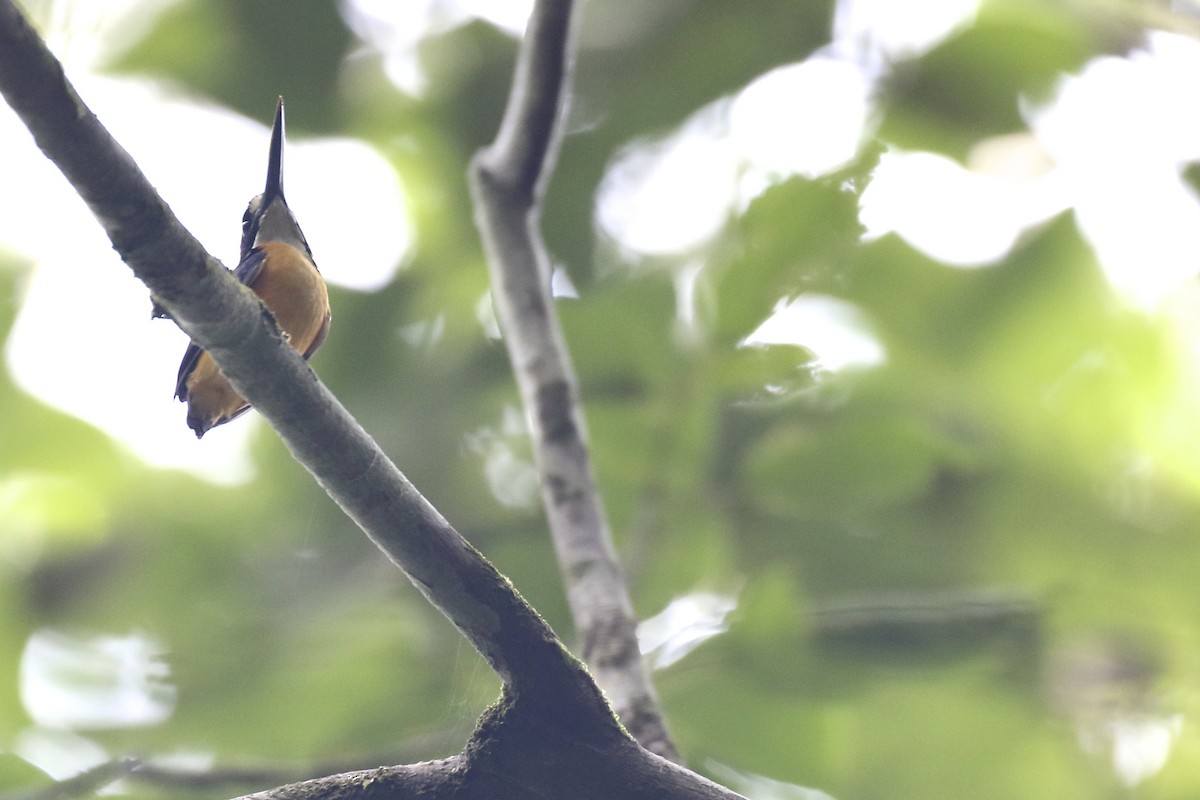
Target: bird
<point x="278" y="266"/>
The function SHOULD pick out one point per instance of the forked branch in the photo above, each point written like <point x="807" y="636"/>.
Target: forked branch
<point x="552" y="734"/>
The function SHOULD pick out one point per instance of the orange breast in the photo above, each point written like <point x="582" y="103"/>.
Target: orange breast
<point x="292" y="288"/>
<point x="295" y="292"/>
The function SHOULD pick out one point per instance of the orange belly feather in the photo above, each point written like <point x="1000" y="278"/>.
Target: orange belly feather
<point x="294" y="291"/>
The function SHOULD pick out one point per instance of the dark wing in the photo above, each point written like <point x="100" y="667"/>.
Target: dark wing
<point x="190" y="357"/>
<point x="247" y="272"/>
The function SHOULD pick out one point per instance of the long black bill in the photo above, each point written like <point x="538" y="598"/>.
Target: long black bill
<point x="275" y="164"/>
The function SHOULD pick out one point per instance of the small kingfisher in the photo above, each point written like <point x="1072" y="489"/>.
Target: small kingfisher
<point x="277" y="264"/>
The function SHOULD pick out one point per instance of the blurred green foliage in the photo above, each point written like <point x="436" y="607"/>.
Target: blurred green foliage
<point x="952" y="578"/>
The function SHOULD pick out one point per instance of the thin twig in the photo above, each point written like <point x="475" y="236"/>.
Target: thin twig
<point x="507" y="179"/>
<point x="88" y="783"/>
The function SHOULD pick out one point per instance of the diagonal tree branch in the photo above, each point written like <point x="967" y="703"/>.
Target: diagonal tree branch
<point x="229" y="321"/>
<point x="507" y="181"/>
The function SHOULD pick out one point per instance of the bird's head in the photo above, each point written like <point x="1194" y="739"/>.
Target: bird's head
<point x="268" y="218"/>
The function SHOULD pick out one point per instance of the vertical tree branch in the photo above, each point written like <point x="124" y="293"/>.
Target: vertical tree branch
<point x="507" y="181"/>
